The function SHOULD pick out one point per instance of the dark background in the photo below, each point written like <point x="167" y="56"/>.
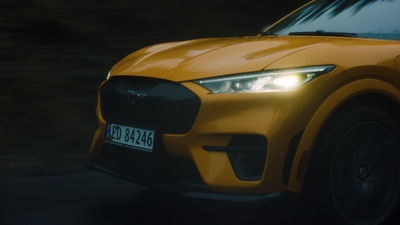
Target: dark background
<point x="54" y="55"/>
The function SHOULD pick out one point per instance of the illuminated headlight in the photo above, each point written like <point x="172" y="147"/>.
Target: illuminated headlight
<point x="264" y="81"/>
<point x="108" y="75"/>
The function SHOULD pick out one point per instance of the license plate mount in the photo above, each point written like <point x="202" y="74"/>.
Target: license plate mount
<point x="130" y="137"/>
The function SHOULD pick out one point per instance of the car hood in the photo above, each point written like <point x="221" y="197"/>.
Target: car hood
<point x="196" y="59"/>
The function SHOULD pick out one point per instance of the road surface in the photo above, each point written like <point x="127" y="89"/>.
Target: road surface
<point x="95" y="198"/>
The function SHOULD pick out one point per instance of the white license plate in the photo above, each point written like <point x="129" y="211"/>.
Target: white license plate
<point x="130" y="137"/>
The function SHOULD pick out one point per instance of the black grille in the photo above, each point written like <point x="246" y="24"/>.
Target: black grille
<point x="150" y="102"/>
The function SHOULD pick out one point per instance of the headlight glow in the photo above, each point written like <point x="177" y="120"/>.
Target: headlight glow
<point x="108" y="75"/>
<point x="264" y="81"/>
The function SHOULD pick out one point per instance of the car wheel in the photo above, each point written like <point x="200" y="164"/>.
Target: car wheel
<point x="358" y="176"/>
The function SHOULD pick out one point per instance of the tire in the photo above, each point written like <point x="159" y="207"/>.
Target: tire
<point x="357" y="175"/>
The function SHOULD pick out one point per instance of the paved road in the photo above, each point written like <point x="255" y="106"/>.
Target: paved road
<point x="95" y="198"/>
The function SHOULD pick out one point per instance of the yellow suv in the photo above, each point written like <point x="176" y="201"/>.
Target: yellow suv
<point x="310" y="105"/>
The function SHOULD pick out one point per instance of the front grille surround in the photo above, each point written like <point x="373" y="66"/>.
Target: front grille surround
<point x="149" y="102"/>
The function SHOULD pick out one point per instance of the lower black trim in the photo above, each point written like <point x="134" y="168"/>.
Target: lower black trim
<point x="294" y="143"/>
<point x="189" y="190"/>
<point x="232" y="149"/>
<point x="175" y="186"/>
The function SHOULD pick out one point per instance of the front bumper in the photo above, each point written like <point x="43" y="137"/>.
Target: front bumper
<point x="275" y="117"/>
<point x="190" y="188"/>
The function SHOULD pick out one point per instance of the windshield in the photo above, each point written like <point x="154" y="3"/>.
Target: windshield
<point x="365" y="18"/>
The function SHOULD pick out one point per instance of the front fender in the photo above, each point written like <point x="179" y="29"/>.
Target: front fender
<point x="326" y="109"/>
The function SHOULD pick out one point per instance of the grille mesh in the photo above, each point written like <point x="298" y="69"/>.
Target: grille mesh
<point x="149" y="102"/>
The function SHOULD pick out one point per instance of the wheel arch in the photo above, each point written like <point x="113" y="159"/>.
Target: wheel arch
<point x="361" y="92"/>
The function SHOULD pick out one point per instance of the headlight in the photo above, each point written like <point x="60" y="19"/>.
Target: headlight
<point x="108" y="75"/>
<point x="264" y="81"/>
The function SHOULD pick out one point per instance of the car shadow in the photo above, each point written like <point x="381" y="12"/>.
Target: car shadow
<point x="156" y="207"/>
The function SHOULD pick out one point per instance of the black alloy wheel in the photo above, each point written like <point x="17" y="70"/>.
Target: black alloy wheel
<point x="358" y="177"/>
